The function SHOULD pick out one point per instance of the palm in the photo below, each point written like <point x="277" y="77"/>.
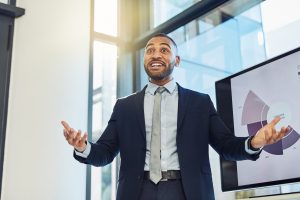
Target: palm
<point x="74" y="137"/>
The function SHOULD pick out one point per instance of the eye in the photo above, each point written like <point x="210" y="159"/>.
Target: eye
<point x="164" y="50"/>
<point x="149" y="51"/>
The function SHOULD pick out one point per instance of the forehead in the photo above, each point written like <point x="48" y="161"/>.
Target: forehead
<point x="160" y="41"/>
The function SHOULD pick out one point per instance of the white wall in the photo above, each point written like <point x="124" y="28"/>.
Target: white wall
<point x="49" y="82"/>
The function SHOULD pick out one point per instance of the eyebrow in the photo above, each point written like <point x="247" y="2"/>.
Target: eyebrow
<point x="151" y="44"/>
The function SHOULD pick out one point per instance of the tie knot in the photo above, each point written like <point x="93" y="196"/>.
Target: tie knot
<point x="160" y="90"/>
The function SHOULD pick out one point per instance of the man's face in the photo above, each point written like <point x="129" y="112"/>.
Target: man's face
<point x="159" y="59"/>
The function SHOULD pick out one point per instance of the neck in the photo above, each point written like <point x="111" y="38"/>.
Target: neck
<point x="161" y="82"/>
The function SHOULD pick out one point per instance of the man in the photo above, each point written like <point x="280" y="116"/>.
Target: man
<point x="163" y="135"/>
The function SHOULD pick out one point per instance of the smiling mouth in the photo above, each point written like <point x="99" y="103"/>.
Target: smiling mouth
<point x="156" y="65"/>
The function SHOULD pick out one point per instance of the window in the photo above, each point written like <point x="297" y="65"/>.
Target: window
<point x="4" y="1"/>
<point x="162" y="10"/>
<point x="281" y="24"/>
<point x="229" y="38"/>
<point x="103" y="184"/>
<point x="106" y="17"/>
<point x="216" y="45"/>
<point x="102" y="180"/>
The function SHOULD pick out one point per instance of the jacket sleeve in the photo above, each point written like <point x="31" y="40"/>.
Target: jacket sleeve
<point x="223" y="140"/>
<point x="107" y="147"/>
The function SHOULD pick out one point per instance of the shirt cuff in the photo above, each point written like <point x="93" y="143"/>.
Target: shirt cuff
<point x="249" y="151"/>
<point x="85" y="153"/>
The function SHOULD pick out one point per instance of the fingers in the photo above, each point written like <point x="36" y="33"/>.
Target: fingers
<point x="71" y="136"/>
<point x="274" y="121"/>
<point x="77" y="138"/>
<point x="74" y="137"/>
<point x="68" y="131"/>
<point x="66" y="125"/>
<point x="283" y="132"/>
<point x="272" y="136"/>
<point x="83" y="139"/>
<point x="268" y="135"/>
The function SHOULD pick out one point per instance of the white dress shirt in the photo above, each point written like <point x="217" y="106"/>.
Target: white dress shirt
<point x="169" y="110"/>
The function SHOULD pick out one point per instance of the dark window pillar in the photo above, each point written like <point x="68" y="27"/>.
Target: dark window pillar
<point x="8" y="13"/>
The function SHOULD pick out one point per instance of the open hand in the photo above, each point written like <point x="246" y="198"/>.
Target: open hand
<point x="268" y="135"/>
<point x="74" y="137"/>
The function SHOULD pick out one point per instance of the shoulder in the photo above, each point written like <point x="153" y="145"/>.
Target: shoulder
<point x="192" y="93"/>
<point x="128" y="97"/>
<point x="128" y="103"/>
<point x="132" y="98"/>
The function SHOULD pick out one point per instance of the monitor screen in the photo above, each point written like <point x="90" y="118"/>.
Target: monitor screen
<point x="250" y="99"/>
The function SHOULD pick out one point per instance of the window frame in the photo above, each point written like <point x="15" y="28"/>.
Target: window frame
<point x="95" y="36"/>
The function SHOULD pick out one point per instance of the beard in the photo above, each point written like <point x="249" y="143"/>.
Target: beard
<point x="168" y="71"/>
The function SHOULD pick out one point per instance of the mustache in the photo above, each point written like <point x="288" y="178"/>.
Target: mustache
<point x="155" y="59"/>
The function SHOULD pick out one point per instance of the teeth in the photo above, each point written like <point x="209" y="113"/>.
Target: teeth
<point x="156" y="64"/>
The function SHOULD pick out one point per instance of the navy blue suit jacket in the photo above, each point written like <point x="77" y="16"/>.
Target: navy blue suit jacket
<point x="198" y="127"/>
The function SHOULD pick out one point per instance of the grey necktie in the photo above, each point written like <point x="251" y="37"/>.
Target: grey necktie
<point x="155" y="166"/>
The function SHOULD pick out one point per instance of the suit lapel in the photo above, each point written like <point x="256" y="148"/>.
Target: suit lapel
<point x="183" y="97"/>
<point x="139" y="100"/>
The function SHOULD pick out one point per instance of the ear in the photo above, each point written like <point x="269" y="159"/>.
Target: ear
<point x="177" y="61"/>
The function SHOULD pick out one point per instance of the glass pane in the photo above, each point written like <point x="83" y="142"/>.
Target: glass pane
<point x="97" y="120"/>
<point x="103" y="181"/>
<point x="281" y="22"/>
<point x="4" y="1"/>
<point x="96" y="177"/>
<point x="162" y="10"/>
<point x="106" y="182"/>
<point x="105" y="76"/>
<point x="232" y="35"/>
<point x="98" y="61"/>
<point x="104" y="63"/>
<point x="106" y="17"/>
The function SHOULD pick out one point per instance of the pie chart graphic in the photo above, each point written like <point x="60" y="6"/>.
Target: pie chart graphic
<point x="256" y="113"/>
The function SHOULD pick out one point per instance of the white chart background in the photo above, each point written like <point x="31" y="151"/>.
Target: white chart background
<point x="276" y="82"/>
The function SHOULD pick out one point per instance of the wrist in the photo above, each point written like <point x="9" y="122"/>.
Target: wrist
<point x="81" y="149"/>
<point x="251" y="146"/>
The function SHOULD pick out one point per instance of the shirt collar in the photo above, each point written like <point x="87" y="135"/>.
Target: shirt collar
<point x="170" y="87"/>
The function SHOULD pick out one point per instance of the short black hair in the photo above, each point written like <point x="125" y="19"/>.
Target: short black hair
<point x="166" y="36"/>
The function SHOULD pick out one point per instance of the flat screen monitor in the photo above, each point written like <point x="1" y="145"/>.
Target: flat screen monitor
<point x="247" y="101"/>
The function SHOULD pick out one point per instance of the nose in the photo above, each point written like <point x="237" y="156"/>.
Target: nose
<point x="156" y="54"/>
